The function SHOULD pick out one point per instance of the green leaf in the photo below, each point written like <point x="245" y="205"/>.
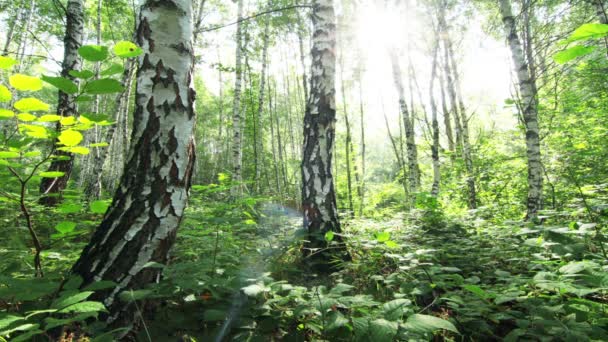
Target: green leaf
<point x="65" y="227"/>
<point x="393" y="310"/>
<point x="383" y="236"/>
<point x="99" y="207"/>
<point x="70" y="138"/>
<point x="103" y="86"/>
<point x="5" y="94"/>
<point x="69" y="208"/>
<point x="8" y="154"/>
<point x="51" y="174"/>
<point x="382" y="330"/>
<point x="329" y="236"/>
<point x="6" y="320"/>
<point x="93" y="53"/>
<point x="61" y="83"/>
<point x="335" y="321"/>
<point x="101" y="144"/>
<point x="32" y="154"/>
<point x="428" y="324"/>
<point x="478" y="291"/>
<point x="6" y="114"/>
<point x="34" y="131"/>
<point x="70" y="299"/>
<point x="253" y="290"/>
<point x="577" y="267"/>
<point x="30" y="104"/>
<point x="27" y="336"/>
<point x="76" y="150"/>
<point x="572" y="53"/>
<point x="26" y="117"/>
<point x="23" y="327"/>
<point x="52" y="322"/>
<point x="7" y="62"/>
<point x="94" y="117"/>
<point x="87" y="306"/>
<point x="49" y="118"/>
<point x="113" y="70"/>
<point x="127" y="49"/>
<point x="586" y="31"/>
<point x="25" y="83"/>
<point x="84" y="74"/>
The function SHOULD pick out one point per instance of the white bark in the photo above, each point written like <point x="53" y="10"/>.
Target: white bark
<point x="237" y="148"/>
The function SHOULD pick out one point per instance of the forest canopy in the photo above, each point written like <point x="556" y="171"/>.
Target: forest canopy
<point x="323" y="170"/>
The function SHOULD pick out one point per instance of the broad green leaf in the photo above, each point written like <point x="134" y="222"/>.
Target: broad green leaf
<point x="7" y="62"/>
<point x="32" y="154"/>
<point x="113" y="70"/>
<point x="30" y="104"/>
<point x="69" y="208"/>
<point x="51" y="174"/>
<point x="6" y="114"/>
<point x="8" y="154"/>
<point x="70" y="299"/>
<point x="23" y="327"/>
<point x="335" y="321"/>
<point x="382" y="330"/>
<point x="61" y="83"/>
<point x="477" y="291"/>
<point x="393" y="310"/>
<point x="577" y="267"/>
<point x="572" y="53"/>
<point x="26" y="117"/>
<point x="428" y="324"/>
<point x="25" y="83"/>
<point x="50" y="118"/>
<point x="586" y="31"/>
<point x="93" y="53"/>
<point x="87" y="306"/>
<point x="70" y="138"/>
<point x="84" y="74"/>
<point x="127" y="49"/>
<point x="329" y="236"/>
<point x="67" y="121"/>
<point x="103" y="86"/>
<point x="27" y="336"/>
<point x="6" y="320"/>
<point x="99" y="207"/>
<point x="65" y="227"/>
<point x="5" y="94"/>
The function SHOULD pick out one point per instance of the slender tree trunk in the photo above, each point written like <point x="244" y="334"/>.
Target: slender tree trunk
<point x="260" y="134"/>
<point x="95" y="186"/>
<point x="237" y="148"/>
<point x="348" y="143"/>
<point x="11" y="25"/>
<point x="398" y="153"/>
<point x="318" y="193"/>
<point x="141" y="224"/>
<point x="362" y="153"/>
<point x="305" y="80"/>
<point x="529" y="110"/>
<point x="66" y="106"/>
<point x="600" y="10"/>
<point x="447" y="121"/>
<point x="410" y="144"/>
<point x="272" y="112"/>
<point x="435" y="125"/>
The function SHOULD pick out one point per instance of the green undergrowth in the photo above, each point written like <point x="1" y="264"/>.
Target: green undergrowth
<point x="237" y="272"/>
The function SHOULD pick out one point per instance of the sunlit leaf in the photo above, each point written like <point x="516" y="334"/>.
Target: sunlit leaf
<point x="101" y="144"/>
<point x="329" y="236"/>
<point x="127" y="49"/>
<point x="68" y="121"/>
<point x="65" y="227"/>
<point x="25" y="83"/>
<point x="5" y="94"/>
<point x="6" y="114"/>
<point x="572" y="53"/>
<point x="70" y="138"/>
<point x="591" y="30"/>
<point x="99" y="207"/>
<point x="30" y="104"/>
<point x="7" y="62"/>
<point x="9" y="154"/>
<point x="51" y="174"/>
<point x="26" y="117"/>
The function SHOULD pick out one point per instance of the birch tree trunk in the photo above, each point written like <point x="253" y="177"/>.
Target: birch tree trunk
<point x="141" y="224"/>
<point x="362" y="150"/>
<point x="259" y="147"/>
<point x="410" y="139"/>
<point x="529" y="110"/>
<point x="318" y="193"/>
<point x="237" y="136"/>
<point x="435" y="125"/>
<point x="11" y="25"/>
<point x="66" y="106"/>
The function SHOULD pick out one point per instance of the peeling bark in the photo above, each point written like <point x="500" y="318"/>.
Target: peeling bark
<point x="141" y="224"/>
<point x="318" y="193"/>
<point x="66" y="106"/>
<point x="237" y="134"/>
<point x="529" y="110"/>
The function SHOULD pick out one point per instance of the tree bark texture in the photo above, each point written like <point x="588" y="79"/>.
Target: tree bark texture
<point x="141" y="224"/>
<point x="318" y="193"/>
<point x="237" y="134"/>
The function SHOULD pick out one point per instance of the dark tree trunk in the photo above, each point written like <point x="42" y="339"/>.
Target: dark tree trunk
<point x="141" y="224"/>
<point x="66" y="106"/>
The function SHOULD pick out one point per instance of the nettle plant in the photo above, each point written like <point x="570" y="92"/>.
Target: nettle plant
<point x="32" y="135"/>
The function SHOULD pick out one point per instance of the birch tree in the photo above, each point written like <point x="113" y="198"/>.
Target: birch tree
<point x="66" y="106"/>
<point x="529" y="109"/>
<point x="141" y="224"/>
<point x="237" y="134"/>
<point x="318" y="193"/>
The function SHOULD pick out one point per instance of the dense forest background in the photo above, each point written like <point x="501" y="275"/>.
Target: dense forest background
<point x="339" y="170"/>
